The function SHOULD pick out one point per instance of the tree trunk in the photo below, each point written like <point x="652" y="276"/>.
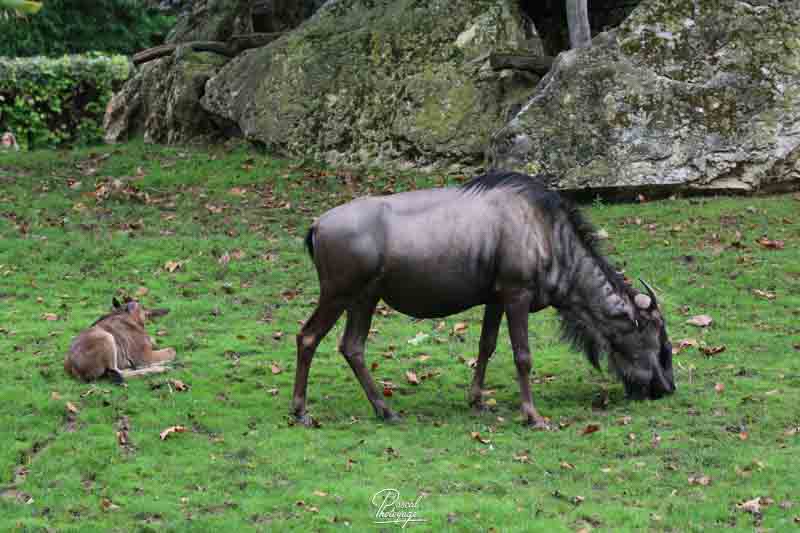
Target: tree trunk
<point x="580" y="35"/>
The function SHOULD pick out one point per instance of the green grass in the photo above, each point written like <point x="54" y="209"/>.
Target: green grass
<point x="66" y="250"/>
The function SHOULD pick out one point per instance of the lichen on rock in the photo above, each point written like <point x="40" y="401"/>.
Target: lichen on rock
<point x="380" y="82"/>
<point x="682" y="94"/>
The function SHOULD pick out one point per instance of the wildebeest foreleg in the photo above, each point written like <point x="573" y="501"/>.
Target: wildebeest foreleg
<point x="313" y="331"/>
<point x="359" y="318"/>
<point x="492" y="316"/>
<point x="517" y="308"/>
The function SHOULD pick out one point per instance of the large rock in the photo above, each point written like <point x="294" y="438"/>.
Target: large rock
<point x="683" y="94"/>
<point x="162" y="100"/>
<point x="380" y="81"/>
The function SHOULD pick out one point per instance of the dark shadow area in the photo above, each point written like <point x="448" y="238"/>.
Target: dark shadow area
<point x="550" y="19"/>
<point x="270" y="16"/>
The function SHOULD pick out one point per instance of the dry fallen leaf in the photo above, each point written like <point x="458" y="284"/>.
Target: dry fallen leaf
<point x="700" y="321"/>
<point x="753" y="506"/>
<point x="49" y="316"/>
<point x="387" y="391"/>
<point x="459" y="328"/>
<point x="72" y="408"/>
<point x="590" y="428"/>
<point x="683" y="343"/>
<point x="567" y="466"/>
<point x="770" y="244"/>
<point x="275" y="368"/>
<point x="523" y="457"/>
<point x="699" y="479"/>
<point x="477" y="436"/>
<point x="107" y="505"/>
<point x="712" y="350"/>
<point x="172" y="266"/>
<point x="764" y="294"/>
<point x="178" y="385"/>
<point x="170" y="430"/>
<point x="411" y="376"/>
<point x="719" y="387"/>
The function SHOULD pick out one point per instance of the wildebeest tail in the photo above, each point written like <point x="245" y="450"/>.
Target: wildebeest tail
<point x="310" y="241"/>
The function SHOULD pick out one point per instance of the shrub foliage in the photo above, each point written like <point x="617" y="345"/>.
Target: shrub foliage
<point x="81" y="26"/>
<point x="55" y="102"/>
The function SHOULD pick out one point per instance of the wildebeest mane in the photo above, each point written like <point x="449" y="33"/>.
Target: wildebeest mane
<point x="583" y="337"/>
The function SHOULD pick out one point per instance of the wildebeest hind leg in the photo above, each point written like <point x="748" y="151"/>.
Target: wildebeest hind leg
<point x="313" y="331"/>
<point x="517" y="309"/>
<point x="492" y="316"/>
<point x="359" y="319"/>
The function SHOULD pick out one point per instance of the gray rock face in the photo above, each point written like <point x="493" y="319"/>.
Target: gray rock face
<point x="380" y="81"/>
<point x="162" y="100"/>
<point x="683" y="94"/>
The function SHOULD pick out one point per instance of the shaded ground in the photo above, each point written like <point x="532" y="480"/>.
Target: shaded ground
<point x="217" y="238"/>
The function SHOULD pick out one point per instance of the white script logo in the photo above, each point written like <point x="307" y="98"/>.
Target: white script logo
<point x="394" y="510"/>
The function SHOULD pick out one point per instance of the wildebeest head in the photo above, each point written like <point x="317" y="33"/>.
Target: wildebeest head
<point x="642" y="355"/>
<point x="133" y="308"/>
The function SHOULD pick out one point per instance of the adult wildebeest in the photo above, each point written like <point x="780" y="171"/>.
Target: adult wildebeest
<point x="501" y="240"/>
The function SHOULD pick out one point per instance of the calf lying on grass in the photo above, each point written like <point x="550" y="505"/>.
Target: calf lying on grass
<point x="118" y="346"/>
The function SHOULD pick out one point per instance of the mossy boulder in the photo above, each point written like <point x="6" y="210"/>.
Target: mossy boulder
<point x="683" y="94"/>
<point x="399" y="82"/>
<point x="162" y="100"/>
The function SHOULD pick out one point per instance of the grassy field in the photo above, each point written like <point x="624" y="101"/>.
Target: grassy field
<point x="217" y="239"/>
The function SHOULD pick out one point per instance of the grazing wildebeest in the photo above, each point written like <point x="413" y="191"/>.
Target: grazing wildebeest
<point x="501" y="240"/>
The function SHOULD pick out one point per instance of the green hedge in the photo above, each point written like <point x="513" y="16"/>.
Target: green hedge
<point x="84" y="26"/>
<point x="53" y="102"/>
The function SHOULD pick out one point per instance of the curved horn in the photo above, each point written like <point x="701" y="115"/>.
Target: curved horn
<point x="650" y="292"/>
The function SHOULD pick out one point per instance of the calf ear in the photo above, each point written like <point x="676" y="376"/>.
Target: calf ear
<point x="115" y="303"/>
<point x="131" y="307"/>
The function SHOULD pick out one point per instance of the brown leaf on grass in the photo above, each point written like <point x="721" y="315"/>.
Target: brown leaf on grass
<point x="387" y="391"/>
<point x="273" y="392"/>
<point x="567" y="466"/>
<point x="523" y="456"/>
<point x="412" y="378"/>
<point x="178" y="385"/>
<point x="422" y="358"/>
<point x="172" y="266"/>
<point x="107" y="505"/>
<point x="764" y="294"/>
<point x="719" y="387"/>
<point x="141" y="291"/>
<point x="278" y="335"/>
<point x="50" y="317"/>
<point x="237" y="191"/>
<point x="320" y="493"/>
<point x="699" y="479"/>
<point x="754" y="506"/>
<point x="275" y="368"/>
<point x="54" y="395"/>
<point x="72" y="408"/>
<point x="711" y="351"/>
<point x="683" y="344"/>
<point x="224" y="259"/>
<point x="770" y="244"/>
<point x="624" y="420"/>
<point x="477" y="436"/>
<point x="170" y="430"/>
<point x="700" y="321"/>
<point x="590" y="428"/>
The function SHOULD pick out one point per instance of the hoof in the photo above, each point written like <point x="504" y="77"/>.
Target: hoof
<point x="538" y="424"/>
<point x="480" y="408"/>
<point x="389" y="416"/>
<point x="306" y="420"/>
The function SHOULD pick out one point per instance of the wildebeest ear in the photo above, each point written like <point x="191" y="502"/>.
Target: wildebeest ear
<point x="115" y="303"/>
<point x="131" y="307"/>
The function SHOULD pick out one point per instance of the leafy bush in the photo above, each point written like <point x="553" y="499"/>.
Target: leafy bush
<point x="81" y="26"/>
<point x="52" y="102"/>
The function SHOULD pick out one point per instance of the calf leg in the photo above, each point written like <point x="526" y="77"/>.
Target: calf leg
<point x="359" y="318"/>
<point x="517" y="307"/>
<point x="313" y="331"/>
<point x="492" y="315"/>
